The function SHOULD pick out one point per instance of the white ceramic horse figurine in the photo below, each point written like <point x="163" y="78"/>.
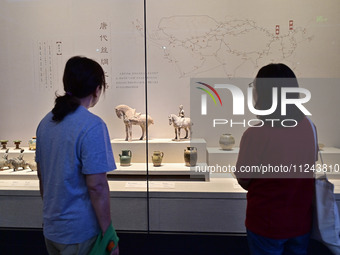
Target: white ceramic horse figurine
<point x="130" y="117"/>
<point x="4" y="161"/>
<point x="180" y="122"/>
<point x="19" y="161"/>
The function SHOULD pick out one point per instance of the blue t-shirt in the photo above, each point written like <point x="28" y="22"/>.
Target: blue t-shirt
<point x="66" y="152"/>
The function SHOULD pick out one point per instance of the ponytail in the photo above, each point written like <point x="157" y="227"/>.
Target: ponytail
<point x="81" y="78"/>
<point x="63" y="106"/>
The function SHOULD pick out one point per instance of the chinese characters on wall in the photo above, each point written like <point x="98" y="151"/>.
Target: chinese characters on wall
<point x="104" y="50"/>
<point x="48" y="56"/>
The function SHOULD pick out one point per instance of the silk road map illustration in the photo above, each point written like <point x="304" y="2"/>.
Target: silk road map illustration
<point x="199" y="44"/>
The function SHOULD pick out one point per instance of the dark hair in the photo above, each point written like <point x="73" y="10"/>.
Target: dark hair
<point x="276" y="76"/>
<point x="81" y="78"/>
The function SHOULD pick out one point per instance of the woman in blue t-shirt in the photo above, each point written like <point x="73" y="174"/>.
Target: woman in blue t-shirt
<point x="73" y="154"/>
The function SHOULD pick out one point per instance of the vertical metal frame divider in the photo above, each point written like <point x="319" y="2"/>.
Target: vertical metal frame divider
<point x="147" y="129"/>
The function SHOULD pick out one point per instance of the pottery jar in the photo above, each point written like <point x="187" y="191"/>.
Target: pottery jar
<point x="32" y="143"/>
<point x="157" y="158"/>
<point x="227" y="141"/>
<point x="4" y="144"/>
<point x="190" y="156"/>
<point x="17" y="144"/>
<point x="125" y="158"/>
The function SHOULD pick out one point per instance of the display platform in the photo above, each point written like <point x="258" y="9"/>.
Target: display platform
<point x="330" y="155"/>
<point x="222" y="158"/>
<point x="167" y="171"/>
<point x="173" y="150"/>
<point x="25" y="174"/>
<point x="137" y="171"/>
<point x="330" y="161"/>
<point x="173" y="205"/>
<point x="218" y="157"/>
<point x="217" y="206"/>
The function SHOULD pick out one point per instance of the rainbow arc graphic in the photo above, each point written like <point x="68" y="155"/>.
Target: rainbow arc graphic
<point x="209" y="93"/>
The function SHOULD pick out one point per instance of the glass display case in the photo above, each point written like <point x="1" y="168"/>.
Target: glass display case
<point x="166" y="60"/>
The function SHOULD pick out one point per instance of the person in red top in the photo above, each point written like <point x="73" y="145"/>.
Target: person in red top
<point x="271" y="165"/>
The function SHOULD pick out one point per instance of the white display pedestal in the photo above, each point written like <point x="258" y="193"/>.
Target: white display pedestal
<point x="222" y="159"/>
<point x="180" y="171"/>
<point x="164" y="172"/>
<point x="330" y="156"/>
<point x="331" y="160"/>
<point x="218" y="157"/>
<point x="217" y="206"/>
<point x="25" y="174"/>
<point x="173" y="150"/>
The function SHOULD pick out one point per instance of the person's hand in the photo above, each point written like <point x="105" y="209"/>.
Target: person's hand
<point x="115" y="251"/>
